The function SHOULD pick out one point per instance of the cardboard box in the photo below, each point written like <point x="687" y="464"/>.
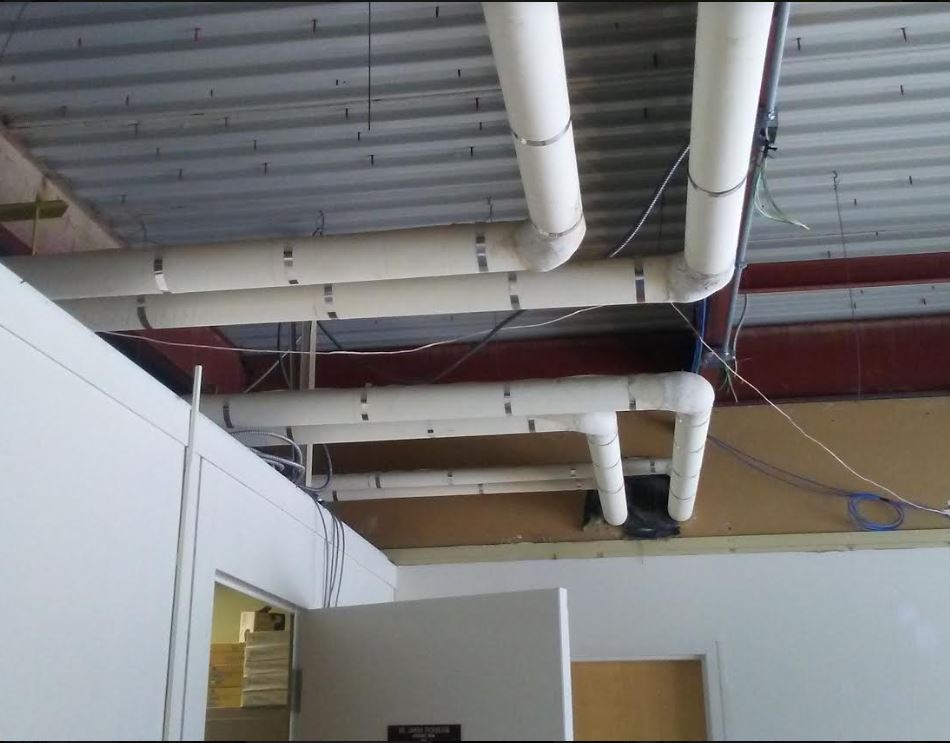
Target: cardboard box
<point x="224" y="696"/>
<point x="225" y="676"/>
<point x="265" y="680"/>
<point x="226" y="654"/>
<point x="265" y="724"/>
<point x="265" y="698"/>
<point x="261" y="621"/>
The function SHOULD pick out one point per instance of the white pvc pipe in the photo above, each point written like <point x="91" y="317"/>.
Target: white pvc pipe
<point x="486" y="481"/>
<point x="689" y="444"/>
<point x="357" y="276"/>
<point x="529" y="56"/>
<point x="731" y="43"/>
<point x="274" y="263"/>
<point x="529" y="398"/>
<point x="603" y="440"/>
<point x="526" y="43"/>
<point x="490" y="488"/>
<point x="573" y="403"/>
<point x="517" y="476"/>
<point x="616" y="282"/>
<point x="409" y="430"/>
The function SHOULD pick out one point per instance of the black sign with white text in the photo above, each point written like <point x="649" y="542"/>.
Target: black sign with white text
<point x="424" y="733"/>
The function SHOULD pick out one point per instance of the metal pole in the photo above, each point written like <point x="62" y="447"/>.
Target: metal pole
<point x="172" y="669"/>
<point x="768" y="115"/>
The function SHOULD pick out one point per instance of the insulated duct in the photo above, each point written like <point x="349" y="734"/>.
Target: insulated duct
<point x="526" y="44"/>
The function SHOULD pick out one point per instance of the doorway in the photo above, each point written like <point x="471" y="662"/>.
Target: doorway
<point x="249" y="669"/>
<point x="639" y="700"/>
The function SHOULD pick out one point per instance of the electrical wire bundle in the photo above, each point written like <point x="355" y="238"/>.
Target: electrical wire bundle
<point x="855" y="499"/>
<point x="334" y="538"/>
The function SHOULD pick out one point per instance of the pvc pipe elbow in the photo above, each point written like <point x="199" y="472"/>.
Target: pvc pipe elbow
<point x="687" y="285"/>
<point x="540" y="251"/>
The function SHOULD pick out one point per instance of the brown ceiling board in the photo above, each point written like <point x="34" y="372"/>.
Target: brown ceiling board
<point x="901" y="443"/>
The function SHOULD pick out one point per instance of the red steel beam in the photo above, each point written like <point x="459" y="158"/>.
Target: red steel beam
<point x="834" y="273"/>
<point x="500" y="361"/>
<point x="897" y="357"/>
<point x="889" y="270"/>
<point x="844" y="359"/>
<point x="223" y="371"/>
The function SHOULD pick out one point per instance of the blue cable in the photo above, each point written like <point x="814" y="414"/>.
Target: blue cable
<point x="855" y="499"/>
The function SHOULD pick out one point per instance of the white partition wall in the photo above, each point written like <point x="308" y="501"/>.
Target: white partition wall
<point x="91" y="464"/>
<point x="841" y="645"/>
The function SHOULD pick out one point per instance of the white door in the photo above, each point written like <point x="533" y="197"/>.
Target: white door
<point x="490" y="667"/>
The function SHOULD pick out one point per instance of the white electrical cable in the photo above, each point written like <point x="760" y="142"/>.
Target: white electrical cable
<point x="398" y="352"/>
<point x="803" y="432"/>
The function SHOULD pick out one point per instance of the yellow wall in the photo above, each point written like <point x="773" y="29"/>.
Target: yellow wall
<point x="226" y="619"/>
<point x="902" y="443"/>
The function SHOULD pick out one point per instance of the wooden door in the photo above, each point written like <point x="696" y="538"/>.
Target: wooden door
<point x="639" y="700"/>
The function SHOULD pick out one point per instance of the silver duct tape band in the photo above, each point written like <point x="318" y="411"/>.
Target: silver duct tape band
<point x="618" y="463"/>
<point x="639" y="281"/>
<point x="716" y="194"/>
<point x="226" y="414"/>
<point x="608" y="443"/>
<point x="507" y="399"/>
<point x="158" y="272"/>
<point x="542" y="142"/>
<point x="289" y="265"/>
<point x="513" y="291"/>
<point x="140" y="312"/>
<point x="555" y="235"/>
<point x="328" y="300"/>
<point x="481" y="252"/>
<point x="364" y="407"/>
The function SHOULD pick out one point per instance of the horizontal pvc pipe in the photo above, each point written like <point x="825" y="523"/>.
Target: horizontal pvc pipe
<point x="408" y="430"/>
<point x="530" y="398"/>
<point x="616" y="282"/>
<point x="432" y="411"/>
<point x="731" y="43"/>
<point x="491" y="488"/>
<point x="529" y="56"/>
<point x="475" y="476"/>
<point x="256" y="264"/>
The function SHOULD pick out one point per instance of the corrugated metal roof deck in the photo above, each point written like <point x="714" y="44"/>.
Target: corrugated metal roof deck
<point x="192" y="122"/>
<point x="864" y="93"/>
<point x="189" y="122"/>
<point x="208" y="121"/>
